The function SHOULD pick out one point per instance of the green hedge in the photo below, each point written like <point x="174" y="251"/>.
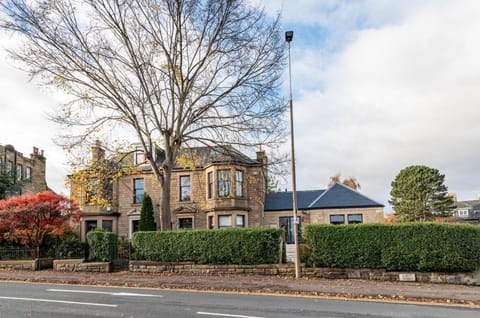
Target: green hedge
<point x="101" y="245"/>
<point x="398" y="247"/>
<point x="225" y="246"/>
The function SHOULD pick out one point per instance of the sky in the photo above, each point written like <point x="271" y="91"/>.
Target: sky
<point x="378" y="85"/>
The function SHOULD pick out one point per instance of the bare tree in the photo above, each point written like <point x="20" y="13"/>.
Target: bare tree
<point x="177" y="72"/>
<point x="350" y="182"/>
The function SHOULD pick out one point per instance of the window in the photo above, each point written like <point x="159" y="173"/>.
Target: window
<point x="107" y="225"/>
<point x="463" y="212"/>
<point x="134" y="225"/>
<point x="286" y="223"/>
<point x="239" y="183"/>
<point x="91" y="192"/>
<point x="90" y="225"/>
<point x="240" y="221"/>
<point x="184" y="188"/>
<point x="19" y="172"/>
<point x="139" y="155"/>
<point x="223" y="183"/>
<point x="355" y="218"/>
<point x="185" y="223"/>
<point x="10" y="168"/>
<point x="337" y="219"/>
<point x="224" y="221"/>
<point x="210" y="184"/>
<point x="138" y="190"/>
<point x="28" y="173"/>
<point x="210" y="222"/>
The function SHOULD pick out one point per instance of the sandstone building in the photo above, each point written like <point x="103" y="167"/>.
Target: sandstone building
<point x="26" y="174"/>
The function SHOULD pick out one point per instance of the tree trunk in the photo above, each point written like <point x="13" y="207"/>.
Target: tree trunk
<point x="165" y="217"/>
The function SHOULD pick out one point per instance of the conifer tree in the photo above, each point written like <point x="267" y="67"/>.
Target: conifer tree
<point x="147" y="222"/>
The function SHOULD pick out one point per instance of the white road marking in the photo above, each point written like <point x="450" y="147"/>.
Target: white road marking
<point x="101" y="292"/>
<point x="224" y="315"/>
<point x="59" y="301"/>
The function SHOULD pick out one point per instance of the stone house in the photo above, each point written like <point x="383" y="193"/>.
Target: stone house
<point x="224" y="189"/>
<point x="336" y="205"/>
<point x="27" y="174"/>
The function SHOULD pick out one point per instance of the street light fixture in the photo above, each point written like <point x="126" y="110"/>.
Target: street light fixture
<point x="289" y="38"/>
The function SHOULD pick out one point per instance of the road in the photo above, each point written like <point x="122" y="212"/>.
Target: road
<point x="68" y="301"/>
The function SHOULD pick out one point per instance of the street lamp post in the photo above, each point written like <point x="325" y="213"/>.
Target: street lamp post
<point x="288" y="38"/>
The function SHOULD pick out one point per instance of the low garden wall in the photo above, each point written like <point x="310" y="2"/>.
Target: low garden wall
<point x="79" y="265"/>
<point x="289" y="270"/>
<point x="30" y="265"/>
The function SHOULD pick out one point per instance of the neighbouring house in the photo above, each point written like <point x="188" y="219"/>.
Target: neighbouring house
<point x="467" y="211"/>
<point x="26" y="174"/>
<point x="336" y="205"/>
<point x="213" y="188"/>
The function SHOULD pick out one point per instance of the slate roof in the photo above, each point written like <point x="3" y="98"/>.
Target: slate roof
<point x="206" y="155"/>
<point x="337" y="196"/>
<point x="467" y="204"/>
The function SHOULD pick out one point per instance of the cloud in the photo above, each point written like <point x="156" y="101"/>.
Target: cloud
<point x="396" y="95"/>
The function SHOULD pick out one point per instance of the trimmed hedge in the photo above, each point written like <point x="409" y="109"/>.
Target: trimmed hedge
<point x="101" y="245"/>
<point x="225" y="246"/>
<point x="422" y="247"/>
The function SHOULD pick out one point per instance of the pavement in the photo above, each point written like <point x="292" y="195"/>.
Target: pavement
<point x="460" y="295"/>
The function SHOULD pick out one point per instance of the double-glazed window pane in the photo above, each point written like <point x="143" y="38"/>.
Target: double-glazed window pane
<point x="185" y="223"/>
<point x="210" y="185"/>
<point x="28" y="173"/>
<point x="185" y="188"/>
<point x="240" y="220"/>
<point x="337" y="219"/>
<point x="239" y="183"/>
<point x="19" y="172"/>
<point x="224" y="221"/>
<point x="139" y="155"/>
<point x="223" y="183"/>
<point x="107" y="225"/>
<point x="10" y="168"/>
<point x="138" y="190"/>
<point x="355" y="218"/>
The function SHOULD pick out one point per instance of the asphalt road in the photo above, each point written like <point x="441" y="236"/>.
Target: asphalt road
<point x="67" y="301"/>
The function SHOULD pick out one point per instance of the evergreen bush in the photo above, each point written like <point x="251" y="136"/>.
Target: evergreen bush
<point x="398" y="247"/>
<point x="224" y="246"/>
<point x="101" y="245"/>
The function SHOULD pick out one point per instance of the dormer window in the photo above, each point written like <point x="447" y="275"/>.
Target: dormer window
<point x="139" y="155"/>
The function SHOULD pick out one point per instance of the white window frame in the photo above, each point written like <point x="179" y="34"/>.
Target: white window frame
<point x="226" y="225"/>
<point x="224" y="186"/>
<point x="239" y="183"/>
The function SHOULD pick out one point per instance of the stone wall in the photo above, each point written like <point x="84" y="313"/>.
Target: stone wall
<point x="29" y="265"/>
<point x="191" y="268"/>
<point x="289" y="270"/>
<point x="79" y="265"/>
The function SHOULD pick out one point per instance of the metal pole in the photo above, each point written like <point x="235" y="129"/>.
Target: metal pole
<point x="294" y="177"/>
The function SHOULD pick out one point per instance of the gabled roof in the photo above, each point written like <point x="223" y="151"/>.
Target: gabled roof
<point x="337" y="196"/>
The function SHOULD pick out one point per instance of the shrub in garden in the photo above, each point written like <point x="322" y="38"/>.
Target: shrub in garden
<point x="225" y="246"/>
<point x="67" y="245"/>
<point x="101" y="245"/>
<point x="401" y="247"/>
